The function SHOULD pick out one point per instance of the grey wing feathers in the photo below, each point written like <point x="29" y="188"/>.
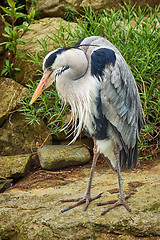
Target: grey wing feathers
<point x="121" y="104"/>
<point x="122" y="107"/>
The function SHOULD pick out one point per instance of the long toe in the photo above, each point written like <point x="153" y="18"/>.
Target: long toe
<point x="81" y="201"/>
<point x="86" y="199"/>
<point x="115" y="203"/>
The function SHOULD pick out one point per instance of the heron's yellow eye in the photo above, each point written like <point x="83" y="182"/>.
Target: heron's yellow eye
<point x="50" y="69"/>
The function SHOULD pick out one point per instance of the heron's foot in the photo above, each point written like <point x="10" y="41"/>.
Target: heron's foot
<point x="86" y="199"/>
<point x="115" y="203"/>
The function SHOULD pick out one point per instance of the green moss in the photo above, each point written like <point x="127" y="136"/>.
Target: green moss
<point x="46" y="234"/>
<point x="154" y="207"/>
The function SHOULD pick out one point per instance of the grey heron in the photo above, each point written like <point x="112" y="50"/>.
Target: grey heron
<point x="96" y="81"/>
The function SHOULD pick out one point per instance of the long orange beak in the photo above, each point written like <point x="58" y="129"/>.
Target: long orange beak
<point x="43" y="84"/>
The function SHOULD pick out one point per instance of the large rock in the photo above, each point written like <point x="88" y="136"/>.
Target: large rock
<point x="29" y="213"/>
<point x="15" y="166"/>
<point x="57" y="8"/>
<point x="4" y="184"/>
<point x="40" y="31"/>
<point x="60" y="156"/>
<point x="11" y="93"/>
<point x="17" y="136"/>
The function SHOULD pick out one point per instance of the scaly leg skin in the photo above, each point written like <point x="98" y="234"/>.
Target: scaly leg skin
<point x="122" y="199"/>
<point x="87" y="197"/>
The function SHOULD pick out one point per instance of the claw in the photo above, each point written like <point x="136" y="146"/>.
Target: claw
<point x="115" y="203"/>
<point x="86" y="199"/>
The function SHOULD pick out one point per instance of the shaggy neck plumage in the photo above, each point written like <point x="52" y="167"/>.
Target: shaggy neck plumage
<point x="78" y="92"/>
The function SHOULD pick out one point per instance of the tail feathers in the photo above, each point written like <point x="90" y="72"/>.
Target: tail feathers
<point x="123" y="158"/>
<point x="131" y="157"/>
<point x="127" y="154"/>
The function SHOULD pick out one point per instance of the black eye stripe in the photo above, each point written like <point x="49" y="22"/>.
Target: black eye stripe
<point x="61" y="70"/>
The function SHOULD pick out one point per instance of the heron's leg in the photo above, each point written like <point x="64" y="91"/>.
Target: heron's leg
<point x="88" y="191"/>
<point x="87" y="196"/>
<point x="121" y="200"/>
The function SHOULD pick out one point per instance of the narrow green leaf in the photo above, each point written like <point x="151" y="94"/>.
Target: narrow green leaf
<point x="11" y="3"/>
<point x="7" y="62"/>
<point x="19" y="15"/>
<point x="4" y="72"/>
<point x="20" y="41"/>
<point x="10" y="46"/>
<point x="7" y="29"/>
<point x="6" y="35"/>
<point x="22" y="6"/>
<point x="8" y="24"/>
<point x="6" y="10"/>
<point x="17" y="69"/>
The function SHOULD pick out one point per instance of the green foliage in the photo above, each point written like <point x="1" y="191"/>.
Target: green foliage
<point x="12" y="14"/>
<point x="8" y="67"/>
<point x="47" y="108"/>
<point x="18" y="3"/>
<point x="136" y="34"/>
<point x="70" y="14"/>
<point x="89" y="24"/>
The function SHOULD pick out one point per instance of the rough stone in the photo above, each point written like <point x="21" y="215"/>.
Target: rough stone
<point x="57" y="8"/>
<point x="11" y="93"/>
<point x="4" y="184"/>
<point x="17" y="136"/>
<point x="35" y="213"/>
<point x="85" y="141"/>
<point x="60" y="156"/>
<point x="15" y="166"/>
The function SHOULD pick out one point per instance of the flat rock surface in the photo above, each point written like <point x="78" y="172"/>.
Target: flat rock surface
<point x="15" y="166"/>
<point x="18" y="137"/>
<point x="41" y="30"/>
<point x="11" y="93"/>
<point x="31" y="209"/>
<point x="60" y="156"/>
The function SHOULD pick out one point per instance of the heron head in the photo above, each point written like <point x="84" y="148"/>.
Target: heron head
<point x="49" y="65"/>
<point x="70" y="61"/>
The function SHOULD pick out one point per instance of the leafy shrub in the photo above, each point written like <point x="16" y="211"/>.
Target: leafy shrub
<point x="47" y="108"/>
<point x="12" y="14"/>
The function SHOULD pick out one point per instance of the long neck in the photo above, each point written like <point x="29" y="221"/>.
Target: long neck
<point x="77" y="87"/>
<point x="77" y="64"/>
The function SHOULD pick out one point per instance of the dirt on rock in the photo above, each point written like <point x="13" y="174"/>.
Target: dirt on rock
<point x="31" y="208"/>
